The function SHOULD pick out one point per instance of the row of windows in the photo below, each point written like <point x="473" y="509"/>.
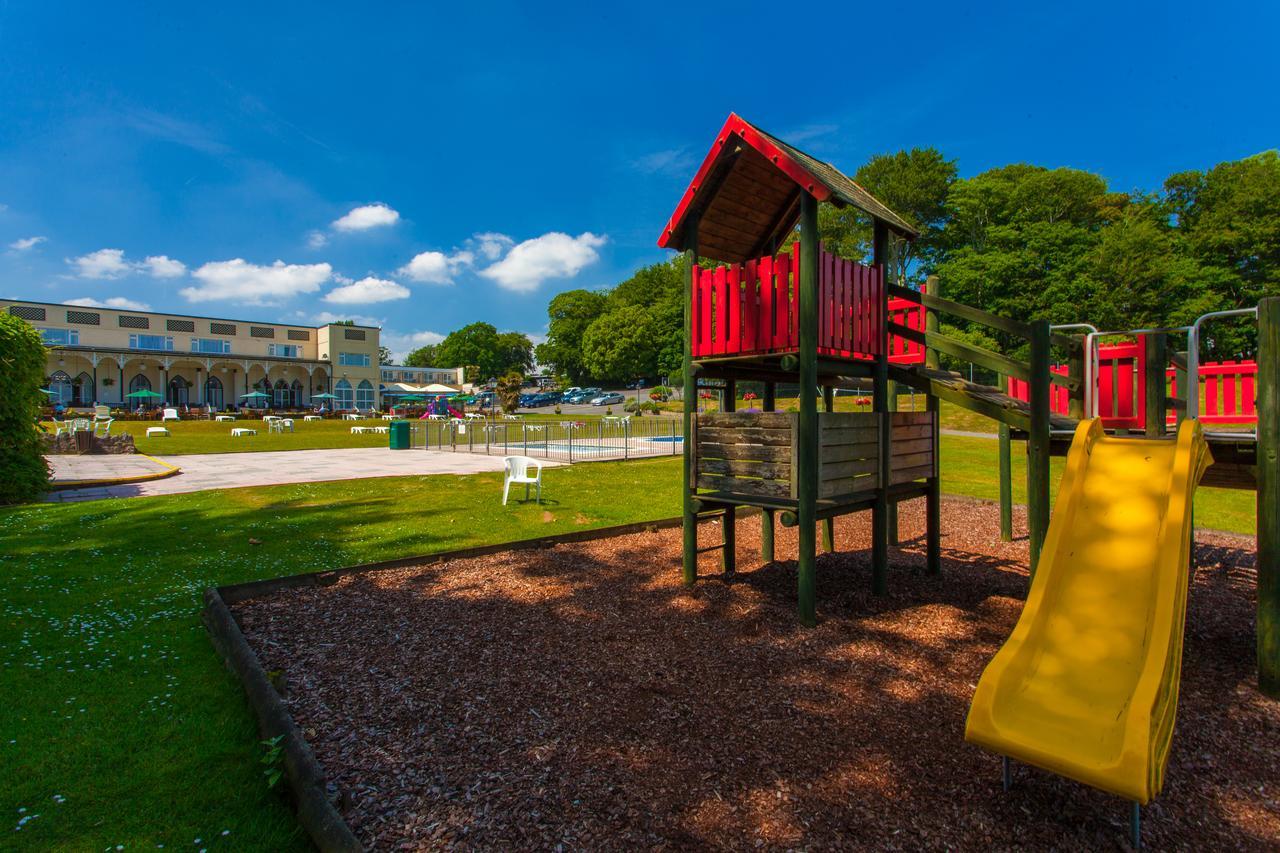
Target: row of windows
<point x="283" y="394"/>
<point x="211" y="346"/>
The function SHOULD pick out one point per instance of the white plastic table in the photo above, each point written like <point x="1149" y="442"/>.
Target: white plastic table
<point x="350" y="416"/>
<point x="388" y="417"/>
<point x="224" y="417"/>
<point x="281" y="425"/>
<point x="154" y="431"/>
<point x="360" y="430"/>
<point x="312" y="418"/>
<point x="240" y="431"/>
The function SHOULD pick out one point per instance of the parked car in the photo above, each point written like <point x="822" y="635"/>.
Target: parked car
<point x="638" y="385"/>
<point x="583" y="395"/>
<point x="611" y="399"/>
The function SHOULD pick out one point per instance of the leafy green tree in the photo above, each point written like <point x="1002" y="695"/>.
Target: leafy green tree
<point x="22" y="363"/>
<point x="479" y="346"/>
<point x="384" y="356"/>
<point x="914" y="184"/>
<point x="423" y="356"/>
<point x="1230" y="220"/>
<point x="569" y="315"/>
<point x="621" y="345"/>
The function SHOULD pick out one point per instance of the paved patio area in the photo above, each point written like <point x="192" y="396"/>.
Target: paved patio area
<point x="67" y="468"/>
<point x="234" y="470"/>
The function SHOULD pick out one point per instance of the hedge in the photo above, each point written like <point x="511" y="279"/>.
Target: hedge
<point x="23" y="472"/>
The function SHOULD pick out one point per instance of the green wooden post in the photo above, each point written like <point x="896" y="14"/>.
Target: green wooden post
<point x="828" y="524"/>
<point x="1038" y="442"/>
<point x="1180" y="380"/>
<point x="1154" y="380"/>
<point x="806" y="471"/>
<point x="1006" y="484"/>
<point x="729" y="523"/>
<point x="933" y="498"/>
<point x="1075" y="370"/>
<point x="690" y="394"/>
<point x="891" y="520"/>
<point x="767" y="516"/>
<point x="1269" y="496"/>
<point x="880" y="404"/>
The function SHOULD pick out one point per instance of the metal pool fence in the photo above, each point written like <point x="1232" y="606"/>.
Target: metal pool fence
<point x="563" y="441"/>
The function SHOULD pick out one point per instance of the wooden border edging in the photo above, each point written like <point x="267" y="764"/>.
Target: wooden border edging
<point x="315" y="810"/>
<point x="316" y="813"/>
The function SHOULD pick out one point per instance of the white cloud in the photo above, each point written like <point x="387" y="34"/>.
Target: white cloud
<point x="163" y="266"/>
<point x="401" y="344"/>
<point x="553" y="255"/>
<point x="113" y="302"/>
<point x="436" y="267"/>
<point x="104" y="263"/>
<point x="26" y="243"/>
<point x="670" y="161"/>
<point x="367" y="290"/>
<point x="492" y="244"/>
<point x="240" y="281"/>
<point x="317" y="240"/>
<point x="367" y="216"/>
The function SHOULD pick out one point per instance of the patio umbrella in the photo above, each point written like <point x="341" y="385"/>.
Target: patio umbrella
<point x="250" y="394"/>
<point x="145" y="394"/>
<point x="323" y="397"/>
<point x="45" y="390"/>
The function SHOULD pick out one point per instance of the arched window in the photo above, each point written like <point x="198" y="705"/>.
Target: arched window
<point x="282" y="394"/>
<point x="82" y="391"/>
<point x="60" y="385"/>
<point x="139" y="382"/>
<point x="342" y="391"/>
<point x="213" y="392"/>
<point x="295" y="394"/>
<point x="364" y="395"/>
<point x="179" y="391"/>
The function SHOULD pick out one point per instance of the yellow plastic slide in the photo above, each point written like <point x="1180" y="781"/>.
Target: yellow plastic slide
<point x="1086" y="686"/>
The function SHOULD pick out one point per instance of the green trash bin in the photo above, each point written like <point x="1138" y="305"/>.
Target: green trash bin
<point x="399" y="433"/>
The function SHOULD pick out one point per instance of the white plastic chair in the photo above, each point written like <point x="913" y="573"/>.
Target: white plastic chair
<point x="105" y="426"/>
<point x="518" y="472"/>
<point x="170" y="415"/>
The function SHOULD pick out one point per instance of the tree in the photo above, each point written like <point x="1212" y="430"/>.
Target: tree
<point x="515" y="352"/>
<point x="508" y="390"/>
<point x="621" y="345"/>
<point x="914" y="184"/>
<point x="569" y="315"/>
<point x="22" y="363"/>
<point x="423" y="356"/>
<point x="480" y="346"/>
<point x="384" y="356"/>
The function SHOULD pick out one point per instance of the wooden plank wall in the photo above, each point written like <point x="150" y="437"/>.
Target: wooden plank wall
<point x="912" y="443"/>
<point x="745" y="453"/>
<point x="847" y="452"/>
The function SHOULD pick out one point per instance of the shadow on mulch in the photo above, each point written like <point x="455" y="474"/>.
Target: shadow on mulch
<point x="581" y="695"/>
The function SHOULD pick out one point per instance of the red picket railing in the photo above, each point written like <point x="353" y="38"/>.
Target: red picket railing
<point x="753" y="308"/>
<point x="1229" y="389"/>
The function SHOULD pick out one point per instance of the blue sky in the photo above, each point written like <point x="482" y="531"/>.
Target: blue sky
<point x="424" y="168"/>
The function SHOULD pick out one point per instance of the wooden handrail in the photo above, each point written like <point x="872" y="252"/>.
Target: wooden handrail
<point x="969" y="352"/>
<point x="959" y="309"/>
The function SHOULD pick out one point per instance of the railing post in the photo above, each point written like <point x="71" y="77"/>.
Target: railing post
<point x="806" y="471"/>
<point x="1268" y="390"/>
<point x="1006" y="479"/>
<point x="880" y="404"/>
<point x="1075" y="370"/>
<point x="1154" y="382"/>
<point x="1038" y="442"/>
<point x="828" y="524"/>
<point x="767" y="516"/>
<point x="891" y="520"/>
<point x="729" y="522"/>
<point x="933" y="497"/>
<point x="689" y="393"/>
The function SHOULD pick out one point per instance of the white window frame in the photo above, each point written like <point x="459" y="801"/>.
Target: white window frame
<point x="284" y="350"/>
<point x="355" y="359"/>
<point x="224" y="346"/>
<point x="166" y="339"/>
<point x="73" y="337"/>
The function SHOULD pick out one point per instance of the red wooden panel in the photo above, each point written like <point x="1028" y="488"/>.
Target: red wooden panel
<point x="1211" y="395"/>
<point x="720" y="302"/>
<point x="781" y="302"/>
<point x="764" y="331"/>
<point x="750" y="308"/>
<point x="1248" y="394"/>
<point x="733" y="344"/>
<point x="828" y="313"/>
<point x="704" y="312"/>
<point x="848" y="305"/>
<point x="1229" y="406"/>
<point x="1105" y="371"/>
<point x="792" y="331"/>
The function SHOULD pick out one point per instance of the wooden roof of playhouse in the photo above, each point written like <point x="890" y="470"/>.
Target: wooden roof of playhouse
<point x="746" y="195"/>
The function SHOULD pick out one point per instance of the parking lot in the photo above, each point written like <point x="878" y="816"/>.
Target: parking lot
<point x="587" y="408"/>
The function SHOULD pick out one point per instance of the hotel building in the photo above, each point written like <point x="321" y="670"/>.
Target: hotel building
<point x="100" y="355"/>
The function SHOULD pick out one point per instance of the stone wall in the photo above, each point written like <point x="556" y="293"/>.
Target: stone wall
<point x="84" y="442"/>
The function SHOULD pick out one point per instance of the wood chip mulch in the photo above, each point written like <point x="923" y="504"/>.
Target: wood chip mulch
<point x="579" y="697"/>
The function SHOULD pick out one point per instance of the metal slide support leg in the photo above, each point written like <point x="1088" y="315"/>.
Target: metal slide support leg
<point x="1135" y="826"/>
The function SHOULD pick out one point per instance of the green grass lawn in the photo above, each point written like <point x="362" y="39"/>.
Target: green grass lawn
<point x="116" y="702"/>
<point x="115" y="699"/>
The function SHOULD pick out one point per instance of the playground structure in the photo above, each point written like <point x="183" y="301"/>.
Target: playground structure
<point x="771" y="313"/>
